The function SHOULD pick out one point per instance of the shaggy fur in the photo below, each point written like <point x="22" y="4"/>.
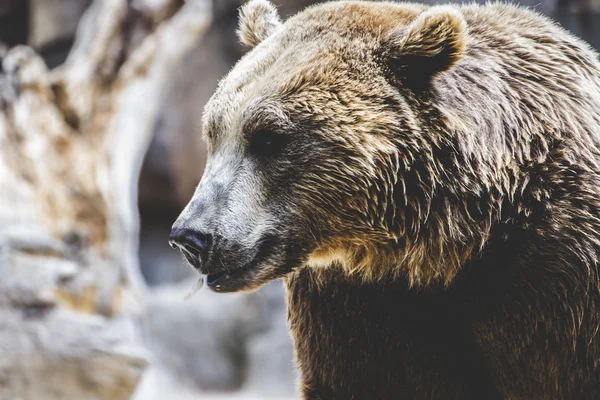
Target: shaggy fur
<point x="427" y="179"/>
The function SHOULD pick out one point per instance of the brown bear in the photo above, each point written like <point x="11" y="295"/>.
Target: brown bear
<point x="427" y="181"/>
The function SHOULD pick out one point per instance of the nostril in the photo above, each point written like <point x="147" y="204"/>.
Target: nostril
<point x="193" y="244"/>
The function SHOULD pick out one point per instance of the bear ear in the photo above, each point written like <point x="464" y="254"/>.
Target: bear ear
<point x="431" y="44"/>
<point x="258" y="20"/>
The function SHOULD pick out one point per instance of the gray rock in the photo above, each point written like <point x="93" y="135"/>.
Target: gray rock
<point x="202" y="342"/>
<point x="219" y="342"/>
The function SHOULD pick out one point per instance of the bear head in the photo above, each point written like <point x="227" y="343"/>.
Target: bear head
<point x="319" y="155"/>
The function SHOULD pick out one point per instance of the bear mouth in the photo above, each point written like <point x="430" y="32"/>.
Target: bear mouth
<point x="243" y="277"/>
<point x="228" y="280"/>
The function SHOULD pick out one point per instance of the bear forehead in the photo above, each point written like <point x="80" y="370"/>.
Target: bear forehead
<point x="315" y="49"/>
<point x="262" y="87"/>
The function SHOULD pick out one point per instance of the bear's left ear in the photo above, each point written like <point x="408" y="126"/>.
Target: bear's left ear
<point x="431" y="44"/>
<point x="258" y="20"/>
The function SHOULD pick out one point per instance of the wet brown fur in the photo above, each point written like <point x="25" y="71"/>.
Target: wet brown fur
<point x="453" y="210"/>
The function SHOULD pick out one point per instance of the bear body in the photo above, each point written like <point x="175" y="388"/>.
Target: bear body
<point x="520" y="320"/>
<point x="427" y="181"/>
<point x="492" y="335"/>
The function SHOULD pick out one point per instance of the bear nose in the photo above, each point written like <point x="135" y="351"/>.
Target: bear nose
<point x="194" y="245"/>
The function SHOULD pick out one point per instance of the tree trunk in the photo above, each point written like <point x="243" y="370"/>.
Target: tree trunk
<point x="72" y="142"/>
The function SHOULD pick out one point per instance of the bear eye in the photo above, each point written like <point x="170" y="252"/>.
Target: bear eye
<point x="266" y="143"/>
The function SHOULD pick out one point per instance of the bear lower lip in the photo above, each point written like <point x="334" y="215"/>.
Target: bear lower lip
<point x="216" y="281"/>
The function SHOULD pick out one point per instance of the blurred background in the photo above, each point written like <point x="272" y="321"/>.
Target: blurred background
<point x="212" y="346"/>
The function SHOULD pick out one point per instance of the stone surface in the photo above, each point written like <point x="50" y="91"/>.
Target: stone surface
<point x="219" y="343"/>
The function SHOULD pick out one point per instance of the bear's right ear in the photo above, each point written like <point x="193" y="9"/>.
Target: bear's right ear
<point x="258" y="20"/>
<point x="429" y="45"/>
